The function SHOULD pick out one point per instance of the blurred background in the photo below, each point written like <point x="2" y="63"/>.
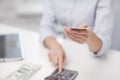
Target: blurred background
<point x="21" y="13"/>
<point x="27" y="14"/>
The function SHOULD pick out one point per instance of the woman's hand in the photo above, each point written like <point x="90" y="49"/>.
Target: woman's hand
<point x="57" y="57"/>
<point x="56" y="54"/>
<point x="80" y="36"/>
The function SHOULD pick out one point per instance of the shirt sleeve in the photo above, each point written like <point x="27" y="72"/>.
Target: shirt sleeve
<point x="104" y="24"/>
<point x="48" y="22"/>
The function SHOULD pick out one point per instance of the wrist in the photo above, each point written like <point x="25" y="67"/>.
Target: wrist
<point x="55" y="45"/>
<point x="94" y="42"/>
<point x="51" y="43"/>
<point x="90" y="38"/>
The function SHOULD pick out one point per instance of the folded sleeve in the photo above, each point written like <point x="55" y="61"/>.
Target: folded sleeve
<point x="104" y="24"/>
<point x="48" y="22"/>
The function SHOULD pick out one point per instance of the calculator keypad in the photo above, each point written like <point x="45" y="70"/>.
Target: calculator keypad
<point x="65" y="75"/>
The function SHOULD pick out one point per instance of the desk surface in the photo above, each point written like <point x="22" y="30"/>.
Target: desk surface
<point x="78" y="58"/>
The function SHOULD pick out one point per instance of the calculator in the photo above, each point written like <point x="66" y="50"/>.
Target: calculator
<point x="64" y="75"/>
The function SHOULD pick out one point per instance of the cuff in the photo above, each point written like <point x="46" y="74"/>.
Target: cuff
<point x="105" y="46"/>
<point x="43" y="36"/>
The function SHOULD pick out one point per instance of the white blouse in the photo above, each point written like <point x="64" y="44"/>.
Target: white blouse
<point x="72" y="13"/>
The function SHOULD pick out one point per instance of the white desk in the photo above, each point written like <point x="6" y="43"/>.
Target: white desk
<point x="78" y="58"/>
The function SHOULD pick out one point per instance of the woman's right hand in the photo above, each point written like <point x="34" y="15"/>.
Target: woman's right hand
<point x="57" y="57"/>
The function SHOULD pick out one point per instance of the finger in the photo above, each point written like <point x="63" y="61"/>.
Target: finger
<point x="84" y="25"/>
<point x="76" y="33"/>
<point x="76" y="39"/>
<point x="80" y="40"/>
<point x="79" y="32"/>
<point x="53" y="58"/>
<point x="64" y="57"/>
<point x="83" y="37"/>
<point x="49" y="56"/>
<point x="88" y="29"/>
<point x="79" y="35"/>
<point x="66" y="29"/>
<point x="56" y="60"/>
<point x="60" y="65"/>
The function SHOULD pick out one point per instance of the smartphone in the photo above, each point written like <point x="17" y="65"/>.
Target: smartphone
<point x="77" y="28"/>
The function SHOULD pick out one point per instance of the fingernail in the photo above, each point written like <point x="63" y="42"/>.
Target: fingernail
<point x="60" y="70"/>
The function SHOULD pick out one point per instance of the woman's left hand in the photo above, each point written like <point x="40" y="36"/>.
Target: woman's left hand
<point x="80" y="36"/>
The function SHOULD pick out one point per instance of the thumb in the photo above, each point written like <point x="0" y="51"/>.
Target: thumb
<point x="84" y="25"/>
